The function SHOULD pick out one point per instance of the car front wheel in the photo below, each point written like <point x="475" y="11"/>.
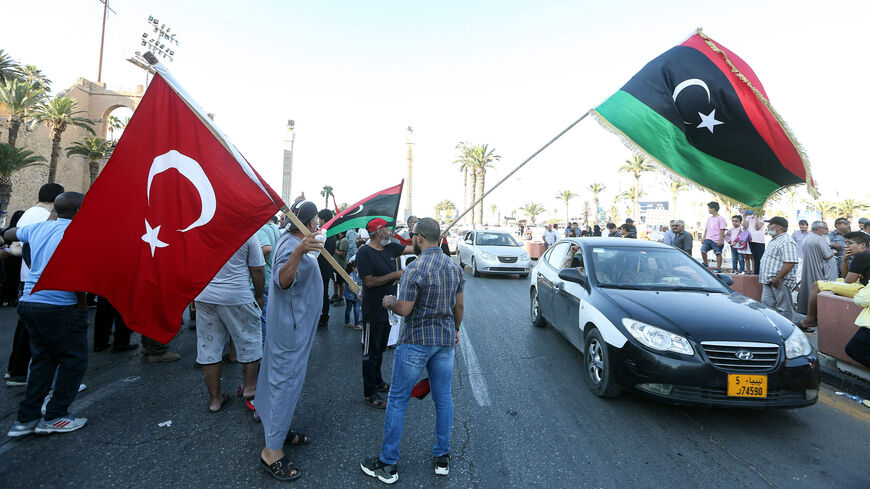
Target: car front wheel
<point x="474" y="272"/>
<point x="596" y="359"/>
<point x="535" y="309"/>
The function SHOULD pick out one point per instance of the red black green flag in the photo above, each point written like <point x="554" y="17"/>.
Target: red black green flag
<point x="383" y="204"/>
<point x="700" y="111"/>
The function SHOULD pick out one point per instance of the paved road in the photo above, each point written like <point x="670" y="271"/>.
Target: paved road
<point x="524" y="418"/>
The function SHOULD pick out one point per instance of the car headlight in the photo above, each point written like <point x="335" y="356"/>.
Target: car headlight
<point x="486" y="256"/>
<point x="524" y="257"/>
<point x="657" y="338"/>
<point x="797" y="345"/>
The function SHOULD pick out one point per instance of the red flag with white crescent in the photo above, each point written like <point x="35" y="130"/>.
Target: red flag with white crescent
<point x="174" y="202"/>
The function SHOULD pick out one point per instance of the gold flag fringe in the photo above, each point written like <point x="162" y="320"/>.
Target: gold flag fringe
<point x="803" y="156"/>
<point x="672" y="175"/>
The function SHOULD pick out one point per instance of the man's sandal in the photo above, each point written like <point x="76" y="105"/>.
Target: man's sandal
<point x="296" y="439"/>
<point x="281" y="469"/>
<point x="385" y="387"/>
<point x="375" y="401"/>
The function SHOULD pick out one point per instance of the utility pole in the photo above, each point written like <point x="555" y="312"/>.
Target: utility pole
<point x="103" y="39"/>
<point x="287" y="175"/>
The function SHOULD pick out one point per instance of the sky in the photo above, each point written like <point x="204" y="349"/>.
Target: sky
<point x="510" y="74"/>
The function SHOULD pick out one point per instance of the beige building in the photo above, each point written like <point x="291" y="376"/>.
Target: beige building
<point x="97" y="102"/>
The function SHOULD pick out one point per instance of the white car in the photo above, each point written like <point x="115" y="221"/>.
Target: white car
<point x="498" y="252"/>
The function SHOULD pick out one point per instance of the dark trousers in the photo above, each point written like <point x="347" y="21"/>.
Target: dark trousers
<point x="19" y="359"/>
<point x="12" y="267"/>
<point x="106" y="315"/>
<point x="59" y="343"/>
<point x="376" y="335"/>
<point x="757" y="250"/>
<point x="326" y="274"/>
<point x="859" y="347"/>
<point x="153" y="348"/>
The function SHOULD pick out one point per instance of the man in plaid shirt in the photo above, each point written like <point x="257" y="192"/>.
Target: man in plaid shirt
<point x="430" y="299"/>
<point x="776" y="272"/>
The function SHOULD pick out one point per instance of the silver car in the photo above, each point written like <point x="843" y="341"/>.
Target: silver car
<point x="493" y="252"/>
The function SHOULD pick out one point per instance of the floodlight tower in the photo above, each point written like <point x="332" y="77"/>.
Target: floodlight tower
<point x="409" y="181"/>
<point x="287" y="177"/>
<point x="160" y="40"/>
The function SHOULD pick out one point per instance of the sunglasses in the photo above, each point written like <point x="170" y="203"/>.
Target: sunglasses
<point x="411" y="235"/>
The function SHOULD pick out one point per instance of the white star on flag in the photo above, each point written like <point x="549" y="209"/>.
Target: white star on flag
<point x="151" y="238"/>
<point x="709" y="121"/>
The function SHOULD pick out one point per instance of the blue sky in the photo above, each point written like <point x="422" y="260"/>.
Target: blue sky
<point x="354" y="75"/>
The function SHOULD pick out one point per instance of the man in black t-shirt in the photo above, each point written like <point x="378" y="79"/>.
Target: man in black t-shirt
<point x="377" y="268"/>
<point x="857" y="275"/>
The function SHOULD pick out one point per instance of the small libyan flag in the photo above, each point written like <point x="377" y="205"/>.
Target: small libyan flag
<point x="383" y="204"/>
<point x="700" y="111"/>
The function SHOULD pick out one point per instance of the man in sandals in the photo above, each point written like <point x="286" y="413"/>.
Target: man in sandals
<point x="431" y="301"/>
<point x="295" y="301"/>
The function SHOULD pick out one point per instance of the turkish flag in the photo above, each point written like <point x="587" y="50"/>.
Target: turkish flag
<point x="173" y="203"/>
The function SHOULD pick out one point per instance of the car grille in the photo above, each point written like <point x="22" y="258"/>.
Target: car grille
<point x="724" y="355"/>
<point x="712" y="394"/>
<point x="508" y="269"/>
<point x="507" y="259"/>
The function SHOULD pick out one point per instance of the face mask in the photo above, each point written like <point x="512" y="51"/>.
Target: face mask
<point x="771" y="232"/>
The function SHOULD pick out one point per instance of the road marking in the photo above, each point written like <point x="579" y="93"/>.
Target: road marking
<point x="844" y="405"/>
<point x="475" y="374"/>
<point x="109" y="389"/>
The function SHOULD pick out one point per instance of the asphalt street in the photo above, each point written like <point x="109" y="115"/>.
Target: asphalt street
<point x="523" y="418"/>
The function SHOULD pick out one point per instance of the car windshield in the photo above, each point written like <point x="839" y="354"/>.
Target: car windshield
<point x="496" y="239"/>
<point x="651" y="268"/>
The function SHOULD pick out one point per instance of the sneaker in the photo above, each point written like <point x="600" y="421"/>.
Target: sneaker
<point x="442" y="464"/>
<point x="384" y="472"/>
<point x="6" y="376"/>
<point x="16" y="381"/>
<point x="164" y="357"/>
<point x="60" y="425"/>
<point x="21" y="429"/>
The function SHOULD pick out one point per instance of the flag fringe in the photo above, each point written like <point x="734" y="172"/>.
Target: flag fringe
<point x="801" y="152"/>
<point x="672" y="175"/>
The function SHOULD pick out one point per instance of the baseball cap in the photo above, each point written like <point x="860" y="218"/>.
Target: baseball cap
<point x="629" y="220"/>
<point x="305" y="210"/>
<point x="749" y="212"/>
<point x="863" y="221"/>
<point x="778" y="220"/>
<point x="375" y="224"/>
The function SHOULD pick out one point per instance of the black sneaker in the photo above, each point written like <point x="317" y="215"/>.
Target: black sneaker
<point x="442" y="464"/>
<point x="385" y="473"/>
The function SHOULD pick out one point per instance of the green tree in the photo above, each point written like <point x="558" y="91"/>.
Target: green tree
<point x="825" y="207"/>
<point x="57" y="114"/>
<point x="326" y="193"/>
<point x="596" y="188"/>
<point x="493" y="212"/>
<point x="533" y="210"/>
<point x="850" y="206"/>
<point x="677" y="187"/>
<point x="586" y="211"/>
<point x="35" y="78"/>
<point x="8" y="67"/>
<point x="12" y="159"/>
<point x="565" y="196"/>
<point x="637" y="165"/>
<point x="112" y="124"/>
<point x="18" y="98"/>
<point x="465" y="166"/>
<point x="477" y="158"/>
<point x="93" y="149"/>
<point x="633" y="195"/>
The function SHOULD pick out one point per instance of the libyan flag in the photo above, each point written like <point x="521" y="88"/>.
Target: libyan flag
<point x="700" y="111"/>
<point x="383" y="204"/>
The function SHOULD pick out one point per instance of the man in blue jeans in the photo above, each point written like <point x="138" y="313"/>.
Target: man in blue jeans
<point x="57" y="322"/>
<point x="430" y="299"/>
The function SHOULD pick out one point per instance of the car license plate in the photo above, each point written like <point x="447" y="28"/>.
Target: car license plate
<point x="740" y="385"/>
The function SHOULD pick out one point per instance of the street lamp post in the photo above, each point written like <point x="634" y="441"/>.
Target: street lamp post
<point x="160" y="40"/>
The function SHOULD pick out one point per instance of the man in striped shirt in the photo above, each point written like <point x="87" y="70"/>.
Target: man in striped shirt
<point x="430" y="299"/>
<point x="776" y="271"/>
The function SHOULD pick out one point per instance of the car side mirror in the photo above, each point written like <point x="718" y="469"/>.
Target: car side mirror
<point x="572" y="275"/>
<point x="726" y="279"/>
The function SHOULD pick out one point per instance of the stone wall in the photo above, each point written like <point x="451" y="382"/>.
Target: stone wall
<point x="72" y="173"/>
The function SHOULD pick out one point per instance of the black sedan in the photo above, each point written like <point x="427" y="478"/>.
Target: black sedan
<point x="648" y="318"/>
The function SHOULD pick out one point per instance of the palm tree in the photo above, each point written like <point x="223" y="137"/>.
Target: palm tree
<point x="465" y="166"/>
<point x="482" y="158"/>
<point x="677" y="187"/>
<point x="634" y="196"/>
<point x="57" y="114"/>
<point x="35" y="77"/>
<point x="825" y="207"/>
<point x="8" y="67"/>
<point x="326" y="193"/>
<point x="533" y="210"/>
<point x="596" y="188"/>
<point x="614" y="213"/>
<point x="19" y="98"/>
<point x="637" y="165"/>
<point x="113" y="123"/>
<point x="566" y="196"/>
<point x="849" y="206"/>
<point x="12" y="159"/>
<point x="94" y="149"/>
<point x="493" y="209"/>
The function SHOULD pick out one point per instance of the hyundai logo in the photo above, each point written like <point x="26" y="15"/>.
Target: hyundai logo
<point x="743" y="354"/>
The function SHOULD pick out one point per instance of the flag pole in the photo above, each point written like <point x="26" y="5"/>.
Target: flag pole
<point x="325" y="254"/>
<point x="542" y="148"/>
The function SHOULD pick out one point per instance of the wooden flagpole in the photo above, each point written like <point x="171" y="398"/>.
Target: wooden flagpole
<point x="542" y="148"/>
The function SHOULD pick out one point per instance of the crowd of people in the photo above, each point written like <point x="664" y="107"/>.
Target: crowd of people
<point x="263" y="306"/>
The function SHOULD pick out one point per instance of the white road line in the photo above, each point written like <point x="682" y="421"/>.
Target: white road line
<point x="475" y="374"/>
<point x="99" y="394"/>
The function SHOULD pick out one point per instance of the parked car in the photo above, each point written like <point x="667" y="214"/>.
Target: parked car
<point x="493" y="251"/>
<point x="650" y="319"/>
